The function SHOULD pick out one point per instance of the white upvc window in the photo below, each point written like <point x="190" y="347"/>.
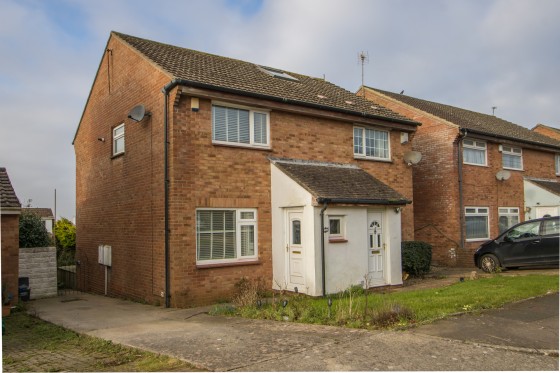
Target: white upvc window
<point x="240" y="126"/>
<point x="372" y="144"/>
<point x="474" y="152"/>
<point x="507" y="217"/>
<point x="476" y="221"/>
<point x="118" y="139"/>
<point x="512" y="158"/>
<point x="226" y="235"/>
<point x="337" y="228"/>
<point x="557" y="162"/>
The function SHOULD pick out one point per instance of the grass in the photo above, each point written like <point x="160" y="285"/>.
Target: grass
<point x="31" y="344"/>
<point x="356" y="308"/>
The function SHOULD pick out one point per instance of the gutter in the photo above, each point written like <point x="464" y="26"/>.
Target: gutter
<point x="165" y="90"/>
<point x="515" y="139"/>
<point x="364" y="201"/>
<point x="322" y="214"/>
<point x="284" y="100"/>
<point x="462" y="135"/>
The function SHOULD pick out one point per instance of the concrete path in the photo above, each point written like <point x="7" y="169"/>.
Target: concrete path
<point x="225" y="344"/>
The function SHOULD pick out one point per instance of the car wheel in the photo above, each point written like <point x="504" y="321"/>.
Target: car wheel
<point x="489" y="263"/>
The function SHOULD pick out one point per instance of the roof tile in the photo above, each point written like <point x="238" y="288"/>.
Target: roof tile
<point x="483" y="123"/>
<point x="233" y="74"/>
<point x="339" y="182"/>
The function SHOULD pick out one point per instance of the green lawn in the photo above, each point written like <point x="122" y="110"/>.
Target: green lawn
<point x="354" y="308"/>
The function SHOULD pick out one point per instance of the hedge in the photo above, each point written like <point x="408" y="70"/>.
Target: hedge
<point x="416" y="257"/>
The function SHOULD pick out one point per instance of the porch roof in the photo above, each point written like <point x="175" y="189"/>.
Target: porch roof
<point x="550" y="186"/>
<point x="339" y="183"/>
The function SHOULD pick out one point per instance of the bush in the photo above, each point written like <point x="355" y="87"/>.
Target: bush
<point x="416" y="257"/>
<point x="65" y="232"/>
<point x="247" y="291"/>
<point x="32" y="231"/>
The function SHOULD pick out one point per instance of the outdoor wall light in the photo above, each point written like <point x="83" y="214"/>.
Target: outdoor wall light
<point x="397" y="210"/>
<point x="102" y="139"/>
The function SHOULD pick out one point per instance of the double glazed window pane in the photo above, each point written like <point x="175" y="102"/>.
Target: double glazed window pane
<point x="511" y="161"/>
<point x="234" y="125"/>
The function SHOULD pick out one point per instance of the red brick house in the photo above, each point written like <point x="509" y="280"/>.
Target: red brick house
<point x="209" y="180"/>
<point x="479" y="175"/>
<point x="10" y="209"/>
<point x="547" y="131"/>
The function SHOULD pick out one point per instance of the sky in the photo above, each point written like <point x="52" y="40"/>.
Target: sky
<point x="474" y="54"/>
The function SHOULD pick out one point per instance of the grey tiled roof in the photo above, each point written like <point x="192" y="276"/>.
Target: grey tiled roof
<point x="551" y="186"/>
<point x="8" y="198"/>
<point x="342" y="183"/>
<point x="245" y="77"/>
<point x="471" y="120"/>
<point x="42" y="212"/>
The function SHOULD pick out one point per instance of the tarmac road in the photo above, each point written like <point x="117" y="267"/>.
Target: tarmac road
<point x="469" y="342"/>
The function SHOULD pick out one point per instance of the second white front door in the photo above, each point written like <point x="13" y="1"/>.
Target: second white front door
<point x="376" y="248"/>
<point x="295" y="250"/>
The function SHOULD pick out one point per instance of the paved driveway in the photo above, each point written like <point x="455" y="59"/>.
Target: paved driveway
<point x="222" y="343"/>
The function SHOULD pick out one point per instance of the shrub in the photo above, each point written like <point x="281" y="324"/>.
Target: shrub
<point x="32" y="231"/>
<point x="65" y="232"/>
<point x="247" y="292"/>
<point x="416" y="257"/>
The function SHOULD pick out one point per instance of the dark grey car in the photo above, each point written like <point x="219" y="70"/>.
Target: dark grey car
<point x="531" y="243"/>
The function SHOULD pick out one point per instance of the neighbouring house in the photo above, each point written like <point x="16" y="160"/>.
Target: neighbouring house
<point x="45" y="214"/>
<point x="479" y="175"/>
<point x="194" y="171"/>
<point x="10" y="209"/>
<point x="547" y="131"/>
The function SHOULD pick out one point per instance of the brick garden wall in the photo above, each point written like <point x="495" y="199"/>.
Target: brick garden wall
<point x="39" y="264"/>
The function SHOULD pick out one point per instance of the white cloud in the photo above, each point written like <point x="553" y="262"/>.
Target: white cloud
<point x="472" y="54"/>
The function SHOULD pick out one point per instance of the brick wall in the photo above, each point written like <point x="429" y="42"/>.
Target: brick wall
<point x="436" y="184"/>
<point x="39" y="264"/>
<point x="119" y="200"/>
<point x="10" y="253"/>
<point x="206" y="175"/>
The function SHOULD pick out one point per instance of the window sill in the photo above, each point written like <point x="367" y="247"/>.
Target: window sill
<point x="242" y="146"/>
<point x="117" y="155"/>
<point x="228" y="264"/>
<point x="475" y="164"/>
<point x="513" y="169"/>
<point x="337" y="240"/>
<point x="476" y="239"/>
<point x="363" y="158"/>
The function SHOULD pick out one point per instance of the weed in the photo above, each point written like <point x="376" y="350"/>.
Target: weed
<point x="247" y="292"/>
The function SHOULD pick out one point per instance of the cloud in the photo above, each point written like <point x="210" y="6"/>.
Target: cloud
<point x="472" y="54"/>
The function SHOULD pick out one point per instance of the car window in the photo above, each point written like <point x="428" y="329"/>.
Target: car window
<point x="524" y="231"/>
<point x="551" y="227"/>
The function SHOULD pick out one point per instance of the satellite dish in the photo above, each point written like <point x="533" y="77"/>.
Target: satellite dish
<point x="138" y="113"/>
<point x="503" y="175"/>
<point x="412" y="157"/>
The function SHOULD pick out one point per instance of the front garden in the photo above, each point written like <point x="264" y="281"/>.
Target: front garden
<point x="358" y="308"/>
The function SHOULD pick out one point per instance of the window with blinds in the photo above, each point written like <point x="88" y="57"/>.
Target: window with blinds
<point x="226" y="235"/>
<point x="238" y="126"/>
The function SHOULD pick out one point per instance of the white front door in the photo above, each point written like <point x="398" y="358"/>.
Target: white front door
<point x="376" y="248"/>
<point x="295" y="250"/>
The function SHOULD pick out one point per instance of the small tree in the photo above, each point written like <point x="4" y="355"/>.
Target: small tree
<point x="32" y="231"/>
<point x="65" y="233"/>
